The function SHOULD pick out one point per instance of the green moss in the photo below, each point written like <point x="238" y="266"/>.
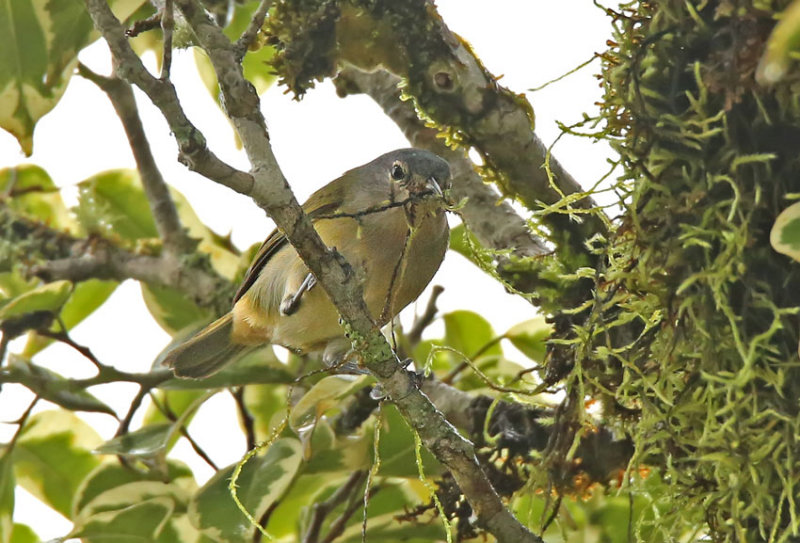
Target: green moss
<point x="694" y="328"/>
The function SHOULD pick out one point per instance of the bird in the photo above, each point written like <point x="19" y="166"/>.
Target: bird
<point x="386" y="217"/>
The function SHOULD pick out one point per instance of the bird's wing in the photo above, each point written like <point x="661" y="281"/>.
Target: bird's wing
<point x="323" y="202"/>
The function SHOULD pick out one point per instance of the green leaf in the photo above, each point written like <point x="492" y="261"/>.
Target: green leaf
<point x="530" y="337"/>
<point x="53" y="387"/>
<point x="6" y="495"/>
<point x="784" y="40"/>
<point x="106" y="477"/>
<point x="40" y="40"/>
<point x="49" y="297"/>
<point x="785" y="234"/>
<point x="86" y="297"/>
<point x="172" y="309"/>
<point x="326" y="394"/>
<point x="114" y="515"/>
<point x="223" y="259"/>
<point x="145" y="442"/>
<point x="22" y="533"/>
<point x="387" y="529"/>
<point x="143" y="521"/>
<point x="113" y="204"/>
<point x="33" y="193"/>
<point x="293" y="506"/>
<point x="151" y="442"/>
<point x="13" y="284"/>
<point x="396" y="448"/>
<point x="469" y="333"/>
<point x="329" y="453"/>
<point x="263" y="480"/>
<point x="52" y="457"/>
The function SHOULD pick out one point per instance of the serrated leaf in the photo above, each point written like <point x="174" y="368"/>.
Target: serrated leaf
<point x="53" y="387"/>
<point x="32" y="192"/>
<point x="86" y="297"/>
<point x="530" y="337"/>
<point x="172" y="309"/>
<point x="49" y="297"/>
<point x="40" y="40"/>
<point x="52" y="457"/>
<point x="469" y="333"/>
<point x="22" y="533"/>
<point x="785" y="234"/>
<point x="324" y="395"/>
<point x="263" y="480"/>
<point x="6" y="496"/>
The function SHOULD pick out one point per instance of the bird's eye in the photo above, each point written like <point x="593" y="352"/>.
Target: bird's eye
<point x="397" y="171"/>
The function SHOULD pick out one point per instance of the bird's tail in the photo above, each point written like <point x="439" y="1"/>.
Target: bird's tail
<point x="207" y="352"/>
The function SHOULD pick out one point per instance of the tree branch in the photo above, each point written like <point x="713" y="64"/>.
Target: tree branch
<point x="249" y="36"/>
<point x="161" y="204"/>
<point x="449" y="85"/>
<point x="192" y="149"/>
<point x="271" y="191"/>
<point x="78" y="259"/>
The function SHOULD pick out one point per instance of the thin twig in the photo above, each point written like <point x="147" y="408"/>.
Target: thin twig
<point x="422" y="321"/>
<point x="172" y="417"/>
<point x="63" y="337"/>
<point x="249" y="36"/>
<point x="321" y="510"/>
<point x="245" y="417"/>
<point x="125" y="423"/>
<point x="167" y="26"/>
<point x="162" y="206"/>
<point x="340" y="523"/>
<point x="20" y="422"/>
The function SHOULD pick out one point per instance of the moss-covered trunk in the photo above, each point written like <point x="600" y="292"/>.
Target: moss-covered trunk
<point x="692" y="344"/>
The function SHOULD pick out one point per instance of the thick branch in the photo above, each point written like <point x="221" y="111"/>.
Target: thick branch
<point x="78" y="259"/>
<point x="161" y="204"/>
<point x="271" y="191"/>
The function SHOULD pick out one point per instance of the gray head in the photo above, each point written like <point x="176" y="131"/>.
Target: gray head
<point x="418" y="171"/>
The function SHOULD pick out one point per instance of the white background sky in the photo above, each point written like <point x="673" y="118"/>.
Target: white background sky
<point x="527" y="41"/>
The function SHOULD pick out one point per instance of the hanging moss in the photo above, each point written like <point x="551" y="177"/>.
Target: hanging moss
<point x="692" y="339"/>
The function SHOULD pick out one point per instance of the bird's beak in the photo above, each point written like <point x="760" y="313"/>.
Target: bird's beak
<point x="432" y="185"/>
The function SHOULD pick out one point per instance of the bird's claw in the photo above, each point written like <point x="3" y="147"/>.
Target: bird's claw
<point x="291" y="302"/>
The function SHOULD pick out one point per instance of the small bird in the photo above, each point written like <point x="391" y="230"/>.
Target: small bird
<point x="387" y="218"/>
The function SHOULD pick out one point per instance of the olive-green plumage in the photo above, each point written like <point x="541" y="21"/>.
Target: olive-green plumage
<point x="386" y="217"/>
